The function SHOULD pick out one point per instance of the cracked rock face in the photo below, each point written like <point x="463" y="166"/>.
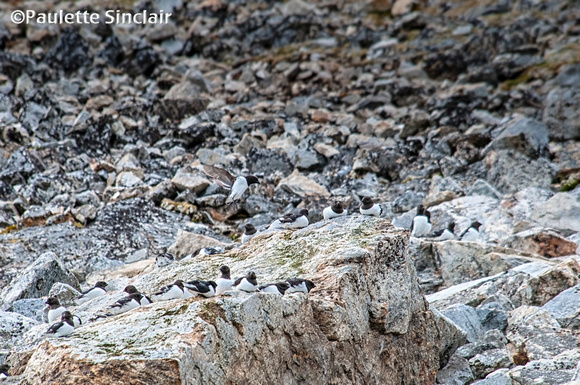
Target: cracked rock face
<point x="365" y="322"/>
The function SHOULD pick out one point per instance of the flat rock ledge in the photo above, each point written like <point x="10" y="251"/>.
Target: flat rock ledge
<point x="366" y="322"/>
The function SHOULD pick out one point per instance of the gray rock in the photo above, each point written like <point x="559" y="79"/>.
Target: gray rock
<point x="456" y="372"/>
<point x="187" y="243"/>
<point x="492" y="316"/>
<point x="408" y="201"/>
<point x="565" y="308"/>
<point x="511" y="171"/>
<point x="66" y="294"/>
<point x="184" y="180"/>
<point x="527" y="136"/>
<point x="37" y="279"/>
<point x="558" y="370"/>
<point x="467" y="319"/>
<point x="481" y="187"/>
<point x="561" y="212"/>
<point x="489" y="361"/>
<point x="12" y="327"/>
<point x="451" y="335"/>
<point x="499" y="377"/>
<point x="29" y="307"/>
<point x="562" y="113"/>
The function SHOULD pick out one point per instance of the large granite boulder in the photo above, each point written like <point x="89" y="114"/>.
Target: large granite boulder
<point x="365" y="322"/>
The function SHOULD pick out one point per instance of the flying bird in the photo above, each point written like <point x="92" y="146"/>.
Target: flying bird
<point x="236" y="186"/>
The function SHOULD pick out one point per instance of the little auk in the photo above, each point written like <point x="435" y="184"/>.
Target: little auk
<point x="94" y="292"/>
<point x="335" y="210"/>
<point x="130" y="289"/>
<point x="164" y="259"/>
<point x="203" y="288"/>
<point x="276" y="288"/>
<point x="237" y="186"/>
<point x="224" y="282"/>
<point x="249" y="283"/>
<point x="55" y="309"/>
<point x="211" y="251"/>
<point x="472" y="233"/>
<point x="446" y="234"/>
<point x="125" y="304"/>
<point x="295" y="221"/>
<point x="299" y="285"/>
<point x="63" y="328"/>
<point x="173" y="291"/>
<point x="421" y="225"/>
<point x="249" y="232"/>
<point x="368" y="207"/>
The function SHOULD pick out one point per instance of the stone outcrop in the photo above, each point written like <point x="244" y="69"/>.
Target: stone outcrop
<point x="365" y="322"/>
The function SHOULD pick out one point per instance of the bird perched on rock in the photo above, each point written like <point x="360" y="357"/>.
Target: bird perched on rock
<point x="295" y="221"/>
<point x="132" y="301"/>
<point x="211" y="251"/>
<point x="164" y="259"/>
<point x="299" y="285"/>
<point x="368" y="207"/>
<point x="236" y="186"/>
<point x="249" y="232"/>
<point x="224" y="282"/>
<point x="4" y="369"/>
<point x="173" y="291"/>
<point x="130" y="289"/>
<point x="249" y="283"/>
<point x="203" y="288"/>
<point x="55" y="309"/>
<point x="63" y="328"/>
<point x="445" y="234"/>
<point x="471" y="234"/>
<point x="335" y="210"/>
<point x="421" y="225"/>
<point x="94" y="292"/>
<point x="276" y="288"/>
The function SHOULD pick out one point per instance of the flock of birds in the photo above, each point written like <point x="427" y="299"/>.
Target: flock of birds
<point x="421" y="227"/>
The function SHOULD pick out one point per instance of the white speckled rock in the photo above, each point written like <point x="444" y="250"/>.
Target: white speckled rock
<point x="366" y="304"/>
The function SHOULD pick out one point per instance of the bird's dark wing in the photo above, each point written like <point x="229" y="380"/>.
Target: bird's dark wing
<point x="123" y="301"/>
<point x="288" y="218"/>
<point x="54" y="328"/>
<point x="428" y="215"/>
<point x="220" y="176"/>
<point x="198" y="286"/>
<point x="238" y="281"/>
<point x="463" y="233"/>
<point x="412" y="224"/>
<point x="294" y="281"/>
<point x="85" y="292"/>
<point x="164" y="289"/>
<point x="309" y="284"/>
<point x="79" y="318"/>
<point x="437" y="233"/>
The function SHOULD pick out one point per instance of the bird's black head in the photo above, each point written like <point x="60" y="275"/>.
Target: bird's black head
<point x="367" y="200"/>
<point x="420" y="210"/>
<point x="250" y="229"/>
<point x="283" y="286"/>
<point x="52" y="301"/>
<point x="225" y="270"/>
<point x="179" y="283"/>
<point x="451" y="226"/>
<point x="476" y="225"/>
<point x="130" y="289"/>
<point x="304" y="212"/>
<point x="337" y="207"/>
<point x="101" y="284"/>
<point x="251" y="179"/>
<point x="66" y="315"/>
<point x="251" y="275"/>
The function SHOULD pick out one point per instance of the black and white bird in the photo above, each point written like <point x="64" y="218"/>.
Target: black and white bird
<point x="421" y="225"/>
<point x="204" y="288"/>
<point x="211" y="251"/>
<point x="237" y="186"/>
<point x="333" y="211"/>
<point x="249" y="283"/>
<point x="4" y="369"/>
<point x="173" y="291"/>
<point x="130" y="289"/>
<point x="368" y="207"/>
<point x="295" y="221"/>
<point x="471" y="234"/>
<point x="132" y="301"/>
<point x="63" y="328"/>
<point x="249" y="232"/>
<point x="299" y="285"/>
<point x="276" y="288"/>
<point x="96" y="291"/>
<point x="164" y="259"/>
<point x="445" y="234"/>
<point x="224" y="282"/>
<point x="55" y="309"/>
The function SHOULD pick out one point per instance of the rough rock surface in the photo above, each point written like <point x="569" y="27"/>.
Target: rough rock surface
<point x="367" y="304"/>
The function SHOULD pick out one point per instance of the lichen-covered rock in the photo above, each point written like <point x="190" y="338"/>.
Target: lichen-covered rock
<point x="365" y="322"/>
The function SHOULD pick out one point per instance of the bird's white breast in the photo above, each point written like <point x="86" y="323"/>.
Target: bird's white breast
<point x="246" y="286"/>
<point x="54" y="314"/>
<point x="223" y="285"/>
<point x="421" y="226"/>
<point x="327" y="213"/>
<point x="64" y="330"/>
<point x="375" y="210"/>
<point x="270" y="289"/>
<point x="246" y="238"/>
<point x="471" y="235"/>
<point x="238" y="189"/>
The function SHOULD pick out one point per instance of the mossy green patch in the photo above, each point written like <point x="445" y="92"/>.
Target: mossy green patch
<point x="569" y="185"/>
